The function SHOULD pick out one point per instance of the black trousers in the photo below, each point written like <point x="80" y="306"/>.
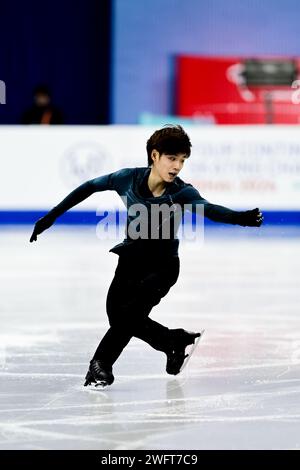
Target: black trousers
<point x="138" y="285"/>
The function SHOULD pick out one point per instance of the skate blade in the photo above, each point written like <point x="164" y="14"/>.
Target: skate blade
<point x="189" y="355"/>
<point x="101" y="384"/>
<point x="96" y="384"/>
<point x="87" y="382"/>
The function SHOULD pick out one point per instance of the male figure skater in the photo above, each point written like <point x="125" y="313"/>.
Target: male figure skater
<point x="147" y="266"/>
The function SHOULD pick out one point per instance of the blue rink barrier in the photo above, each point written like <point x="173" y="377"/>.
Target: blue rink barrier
<point x="73" y="217"/>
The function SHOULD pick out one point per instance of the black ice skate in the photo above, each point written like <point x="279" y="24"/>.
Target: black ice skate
<point x="99" y="374"/>
<point x="176" y="356"/>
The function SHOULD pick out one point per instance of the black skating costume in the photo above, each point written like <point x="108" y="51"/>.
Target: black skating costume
<point x="147" y="268"/>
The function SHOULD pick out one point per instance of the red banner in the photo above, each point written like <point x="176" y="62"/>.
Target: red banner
<point x="214" y="89"/>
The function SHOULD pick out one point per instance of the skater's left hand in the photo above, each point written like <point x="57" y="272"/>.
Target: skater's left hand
<point x="252" y="218"/>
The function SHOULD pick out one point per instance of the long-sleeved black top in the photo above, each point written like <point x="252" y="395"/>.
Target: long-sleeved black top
<point x="132" y="185"/>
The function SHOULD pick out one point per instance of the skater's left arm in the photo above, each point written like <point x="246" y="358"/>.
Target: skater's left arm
<point x="217" y="213"/>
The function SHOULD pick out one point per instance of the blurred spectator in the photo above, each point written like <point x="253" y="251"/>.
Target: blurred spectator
<point x="42" y="111"/>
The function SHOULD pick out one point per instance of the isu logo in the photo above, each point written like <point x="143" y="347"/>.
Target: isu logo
<point x="2" y="92"/>
<point x="82" y="162"/>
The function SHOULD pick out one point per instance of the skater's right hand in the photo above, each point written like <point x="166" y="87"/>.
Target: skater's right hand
<point x="41" y="225"/>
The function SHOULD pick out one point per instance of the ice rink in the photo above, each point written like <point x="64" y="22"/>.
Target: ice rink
<point x="241" y="389"/>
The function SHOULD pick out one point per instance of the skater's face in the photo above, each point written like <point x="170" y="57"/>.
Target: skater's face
<point x="168" y="166"/>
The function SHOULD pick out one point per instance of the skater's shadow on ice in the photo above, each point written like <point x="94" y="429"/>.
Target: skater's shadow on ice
<point x="174" y="389"/>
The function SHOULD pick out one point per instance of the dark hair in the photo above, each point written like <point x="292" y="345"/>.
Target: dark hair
<point x="171" y="139"/>
<point x="41" y="89"/>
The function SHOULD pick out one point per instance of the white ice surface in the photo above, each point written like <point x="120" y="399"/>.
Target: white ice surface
<point x="240" y="390"/>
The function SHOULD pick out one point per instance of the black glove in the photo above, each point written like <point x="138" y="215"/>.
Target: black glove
<point x="252" y="218"/>
<point x="41" y="225"/>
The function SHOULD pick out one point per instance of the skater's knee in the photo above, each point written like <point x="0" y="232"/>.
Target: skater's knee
<point x="121" y="325"/>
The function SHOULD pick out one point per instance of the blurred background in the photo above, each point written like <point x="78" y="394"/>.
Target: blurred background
<point x="83" y="85"/>
<point x="118" y="61"/>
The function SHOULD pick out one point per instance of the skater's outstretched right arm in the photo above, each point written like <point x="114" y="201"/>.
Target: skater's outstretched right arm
<point x="111" y="181"/>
